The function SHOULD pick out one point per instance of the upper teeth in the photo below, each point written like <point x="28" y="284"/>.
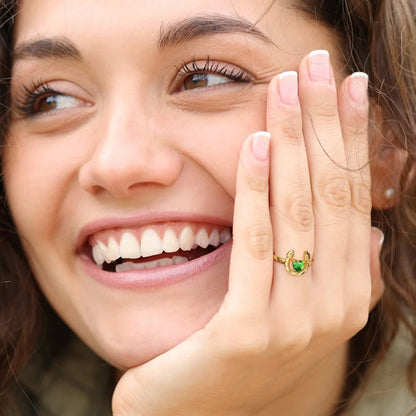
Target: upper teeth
<point x="151" y="244"/>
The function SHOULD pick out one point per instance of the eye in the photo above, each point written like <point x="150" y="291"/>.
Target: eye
<point x="208" y="73"/>
<point x="201" y="80"/>
<point x="45" y="99"/>
<point x="48" y="103"/>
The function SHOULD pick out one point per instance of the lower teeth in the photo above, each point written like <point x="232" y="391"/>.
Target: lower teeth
<point x="167" y="261"/>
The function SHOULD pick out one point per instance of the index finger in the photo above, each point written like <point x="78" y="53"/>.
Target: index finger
<point x="251" y="267"/>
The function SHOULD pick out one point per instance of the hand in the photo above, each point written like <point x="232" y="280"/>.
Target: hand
<point x="274" y="330"/>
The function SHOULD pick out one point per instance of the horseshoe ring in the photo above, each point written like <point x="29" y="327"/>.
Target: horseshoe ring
<point x="293" y="266"/>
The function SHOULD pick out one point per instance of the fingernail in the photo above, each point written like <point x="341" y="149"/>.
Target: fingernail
<point x="381" y="235"/>
<point x="260" y="145"/>
<point x="288" y="87"/>
<point x="357" y="87"/>
<point x="319" y="66"/>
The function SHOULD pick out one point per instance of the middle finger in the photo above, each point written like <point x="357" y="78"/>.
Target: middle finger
<point x="329" y="176"/>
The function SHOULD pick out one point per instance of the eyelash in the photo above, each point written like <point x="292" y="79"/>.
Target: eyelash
<point x="28" y="97"/>
<point x="214" y="67"/>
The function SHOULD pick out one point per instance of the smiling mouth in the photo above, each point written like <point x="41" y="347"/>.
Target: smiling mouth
<point x="121" y="250"/>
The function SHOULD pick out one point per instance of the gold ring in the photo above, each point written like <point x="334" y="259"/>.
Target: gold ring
<point x="293" y="266"/>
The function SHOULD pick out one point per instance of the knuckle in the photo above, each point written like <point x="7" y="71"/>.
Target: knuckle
<point x="259" y="240"/>
<point x="252" y="345"/>
<point x="361" y="198"/>
<point x="258" y="184"/>
<point x="291" y="133"/>
<point x="326" y="111"/>
<point x="295" y="334"/>
<point x="299" y="210"/>
<point x="251" y="342"/>
<point x="295" y="340"/>
<point x="288" y="123"/>
<point x="300" y="338"/>
<point x="357" y="129"/>
<point x="358" y="311"/>
<point x="336" y="192"/>
<point x="330" y="319"/>
<point x="357" y="321"/>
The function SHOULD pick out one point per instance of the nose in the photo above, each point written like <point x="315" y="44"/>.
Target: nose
<point x="128" y="152"/>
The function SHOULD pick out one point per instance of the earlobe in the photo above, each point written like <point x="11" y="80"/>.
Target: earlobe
<point x="387" y="170"/>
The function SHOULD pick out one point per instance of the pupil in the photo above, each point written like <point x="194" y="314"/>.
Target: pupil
<point x="47" y="104"/>
<point x="196" y="81"/>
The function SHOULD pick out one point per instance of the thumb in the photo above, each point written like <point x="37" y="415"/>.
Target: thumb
<point x="377" y="284"/>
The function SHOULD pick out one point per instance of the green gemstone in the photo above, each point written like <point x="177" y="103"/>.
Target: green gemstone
<point x="298" y="265"/>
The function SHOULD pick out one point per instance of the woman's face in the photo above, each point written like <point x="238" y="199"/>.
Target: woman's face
<point x="126" y="129"/>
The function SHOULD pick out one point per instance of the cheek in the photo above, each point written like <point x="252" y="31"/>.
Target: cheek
<point x="40" y="171"/>
<point x="37" y="176"/>
<point x="213" y="139"/>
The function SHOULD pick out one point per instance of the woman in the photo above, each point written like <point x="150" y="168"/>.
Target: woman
<point x="130" y="162"/>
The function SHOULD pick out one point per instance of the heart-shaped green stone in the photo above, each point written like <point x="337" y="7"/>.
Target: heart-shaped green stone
<point x="298" y="265"/>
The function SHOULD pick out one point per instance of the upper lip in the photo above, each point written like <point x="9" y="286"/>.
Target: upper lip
<point x="141" y="220"/>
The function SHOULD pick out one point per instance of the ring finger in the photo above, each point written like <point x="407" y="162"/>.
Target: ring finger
<point x="290" y="190"/>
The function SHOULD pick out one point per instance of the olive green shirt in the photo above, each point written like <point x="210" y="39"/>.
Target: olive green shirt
<point x="75" y="382"/>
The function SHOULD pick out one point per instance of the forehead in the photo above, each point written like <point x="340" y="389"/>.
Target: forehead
<point x="61" y="15"/>
<point x="113" y="36"/>
<point x="112" y="19"/>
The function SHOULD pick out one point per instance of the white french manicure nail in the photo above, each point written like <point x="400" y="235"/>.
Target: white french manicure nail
<point x="381" y="234"/>
<point x="260" y="145"/>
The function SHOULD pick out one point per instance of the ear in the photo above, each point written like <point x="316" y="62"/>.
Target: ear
<point x="387" y="161"/>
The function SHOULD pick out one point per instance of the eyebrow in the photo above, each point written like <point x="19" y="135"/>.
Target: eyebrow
<point x="54" y="47"/>
<point x="195" y="27"/>
<point x="173" y="34"/>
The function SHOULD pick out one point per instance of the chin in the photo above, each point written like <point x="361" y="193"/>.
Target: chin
<point x="125" y="348"/>
<point x="131" y="327"/>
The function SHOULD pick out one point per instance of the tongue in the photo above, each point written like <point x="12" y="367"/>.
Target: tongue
<point x="190" y="255"/>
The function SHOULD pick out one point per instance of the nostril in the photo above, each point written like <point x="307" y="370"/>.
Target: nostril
<point x="122" y="166"/>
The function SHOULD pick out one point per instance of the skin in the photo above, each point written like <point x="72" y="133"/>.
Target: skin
<point x="132" y="143"/>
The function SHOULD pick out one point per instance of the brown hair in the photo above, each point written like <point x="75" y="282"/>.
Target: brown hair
<point x="377" y="37"/>
<point x="19" y="305"/>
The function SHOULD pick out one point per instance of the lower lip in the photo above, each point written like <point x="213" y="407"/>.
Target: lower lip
<point x="160" y="276"/>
